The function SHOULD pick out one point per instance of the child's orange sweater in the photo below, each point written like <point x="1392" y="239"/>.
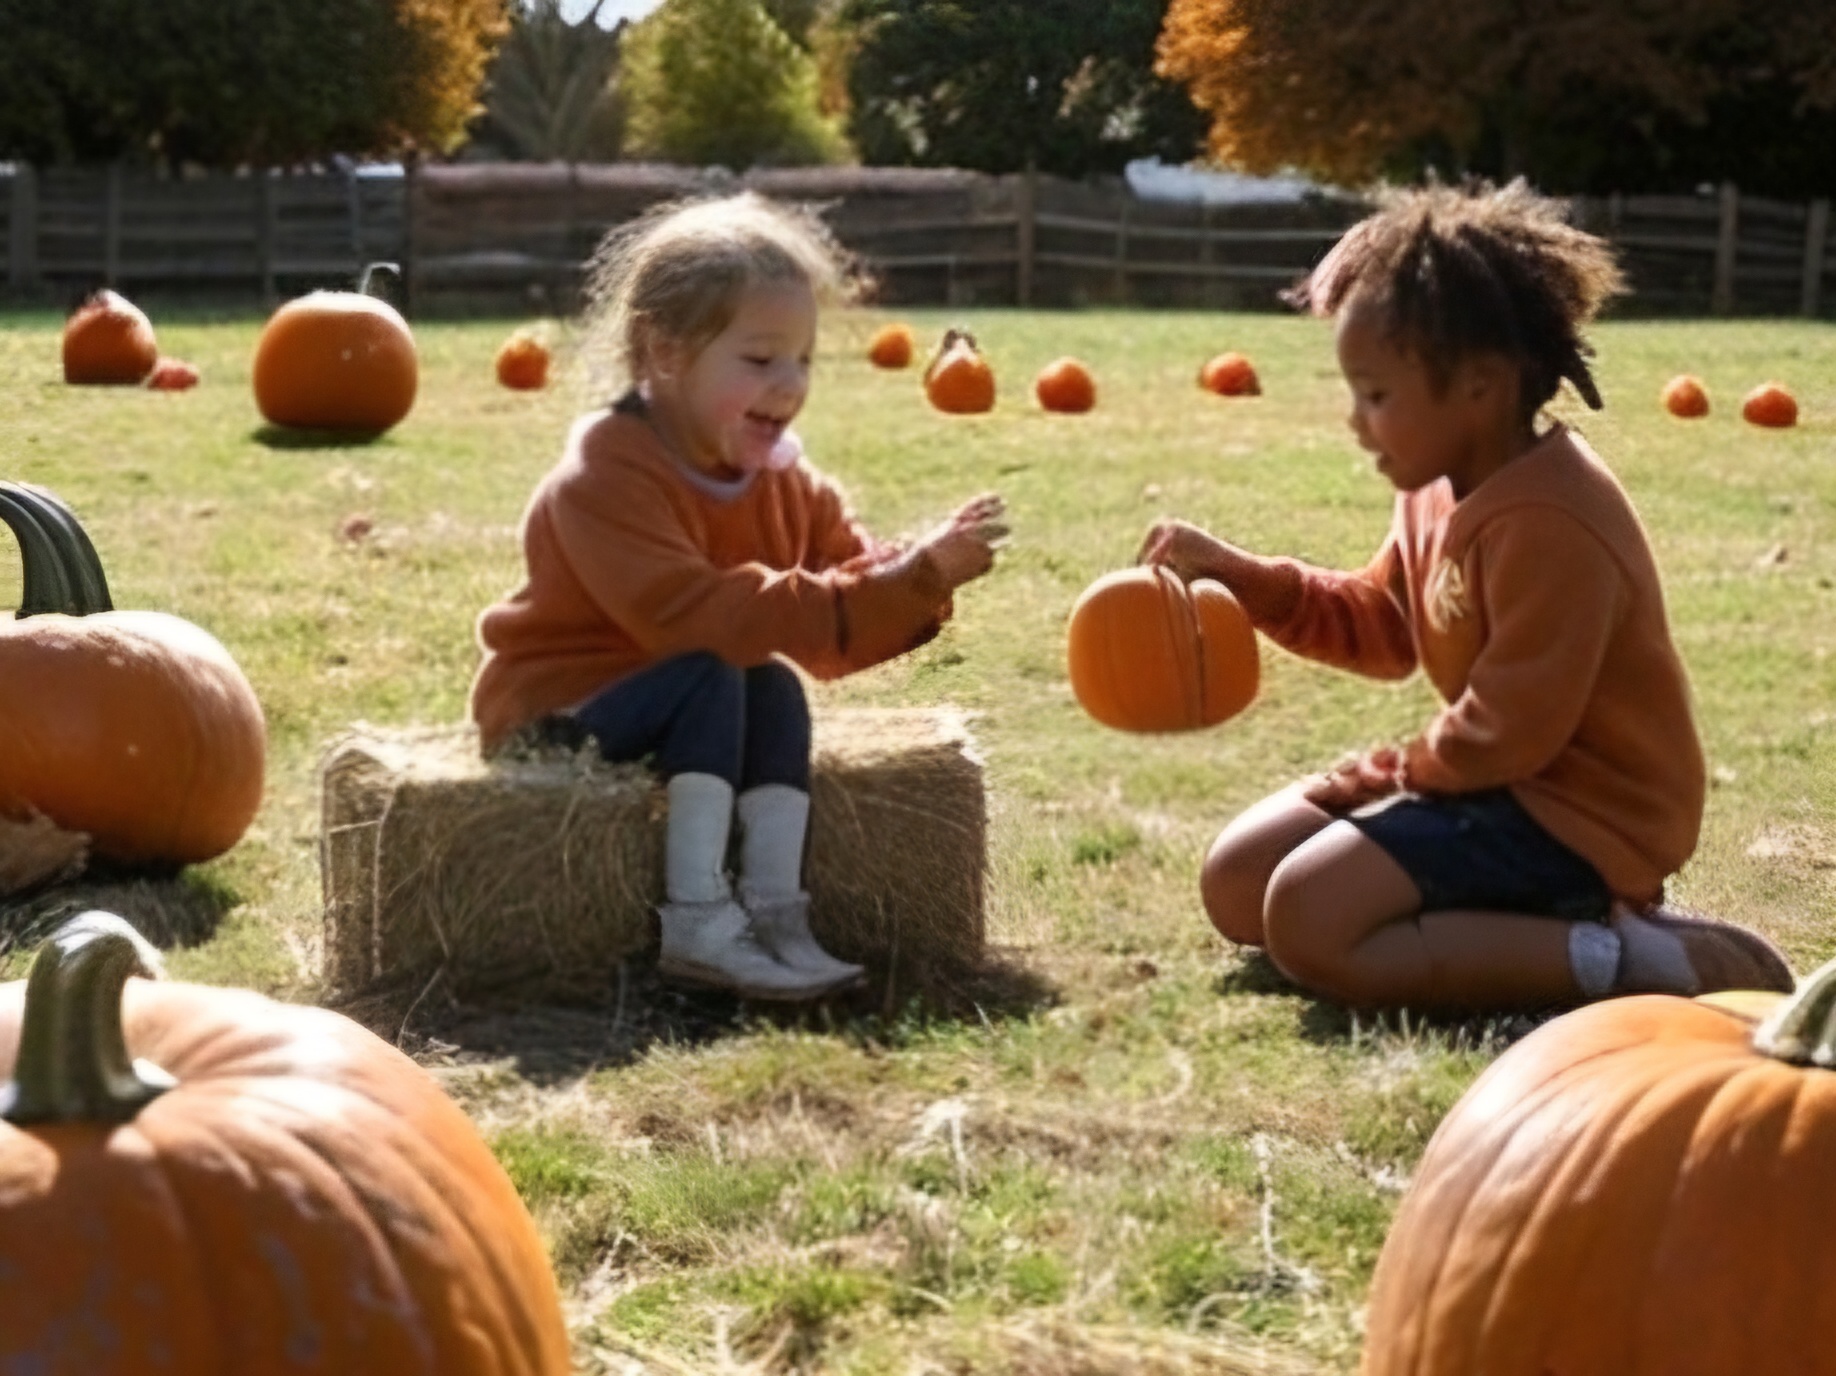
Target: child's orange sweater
<point x="632" y="561"/>
<point x="1534" y="607"/>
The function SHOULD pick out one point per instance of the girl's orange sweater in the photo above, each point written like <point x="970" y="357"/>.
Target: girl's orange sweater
<point x="631" y="560"/>
<point x="1535" y="609"/>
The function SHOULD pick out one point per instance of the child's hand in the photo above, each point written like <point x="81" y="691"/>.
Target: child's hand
<point x="963" y="547"/>
<point x="1356" y="780"/>
<point x="1186" y="551"/>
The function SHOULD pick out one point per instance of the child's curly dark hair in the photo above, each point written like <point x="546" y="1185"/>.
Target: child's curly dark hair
<point x="1481" y="270"/>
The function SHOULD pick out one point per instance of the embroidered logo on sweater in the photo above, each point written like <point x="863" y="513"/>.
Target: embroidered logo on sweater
<point x="1445" y="595"/>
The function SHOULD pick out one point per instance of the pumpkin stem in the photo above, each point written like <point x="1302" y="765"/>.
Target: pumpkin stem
<point x="370" y="269"/>
<point x="1802" y="1029"/>
<point x="73" y="1058"/>
<point x="45" y="581"/>
<point x="81" y="564"/>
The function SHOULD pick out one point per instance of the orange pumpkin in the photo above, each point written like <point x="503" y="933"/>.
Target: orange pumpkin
<point x="959" y="379"/>
<point x="1065" y="385"/>
<point x="522" y="362"/>
<point x="1686" y="397"/>
<point x="892" y="346"/>
<point x="1230" y="375"/>
<point x="172" y="375"/>
<point x="1634" y="1187"/>
<point x="198" y="1179"/>
<point x="1770" y="404"/>
<point x="108" y="339"/>
<point x="134" y="727"/>
<point x="336" y="360"/>
<point x="1147" y="652"/>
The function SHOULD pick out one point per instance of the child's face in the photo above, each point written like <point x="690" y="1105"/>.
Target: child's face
<point x="735" y="398"/>
<point x="1418" y="432"/>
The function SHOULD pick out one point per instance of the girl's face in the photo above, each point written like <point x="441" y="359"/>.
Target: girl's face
<point x="724" y="408"/>
<point x="1461" y="431"/>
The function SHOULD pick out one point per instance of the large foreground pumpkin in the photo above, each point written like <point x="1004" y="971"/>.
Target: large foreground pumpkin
<point x="1639" y="1188"/>
<point x="134" y="727"/>
<point x="1147" y="652"/>
<point x="336" y="360"/>
<point x="203" y="1181"/>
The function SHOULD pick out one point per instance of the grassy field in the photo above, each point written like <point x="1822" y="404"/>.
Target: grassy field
<point x="1140" y="1152"/>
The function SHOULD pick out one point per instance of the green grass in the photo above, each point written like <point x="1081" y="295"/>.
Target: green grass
<point x="1169" y="1157"/>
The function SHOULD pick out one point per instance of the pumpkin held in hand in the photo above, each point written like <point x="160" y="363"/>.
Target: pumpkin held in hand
<point x="522" y="362"/>
<point x="1771" y="405"/>
<point x="1230" y="375"/>
<point x="196" y="1179"/>
<point x="134" y="727"/>
<point x="108" y="339"/>
<point x="892" y="346"/>
<point x="1634" y="1187"/>
<point x="1685" y="396"/>
<point x="1147" y="652"/>
<point x="1065" y="385"/>
<point x="959" y="380"/>
<point x="336" y="360"/>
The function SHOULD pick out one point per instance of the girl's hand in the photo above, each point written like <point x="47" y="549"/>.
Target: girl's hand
<point x="1186" y="551"/>
<point x="963" y="547"/>
<point x="1356" y="780"/>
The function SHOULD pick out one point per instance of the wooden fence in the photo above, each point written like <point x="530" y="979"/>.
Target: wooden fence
<point x="517" y="236"/>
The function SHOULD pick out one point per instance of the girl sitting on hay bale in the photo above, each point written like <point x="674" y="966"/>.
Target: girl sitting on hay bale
<point x="682" y="545"/>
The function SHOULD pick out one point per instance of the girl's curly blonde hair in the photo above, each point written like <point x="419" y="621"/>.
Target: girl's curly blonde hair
<point x="679" y="270"/>
<point x="1482" y="270"/>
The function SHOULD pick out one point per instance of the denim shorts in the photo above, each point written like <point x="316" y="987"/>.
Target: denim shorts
<point x="1484" y="851"/>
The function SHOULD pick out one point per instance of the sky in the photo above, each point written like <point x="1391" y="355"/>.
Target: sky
<point x="613" y="12"/>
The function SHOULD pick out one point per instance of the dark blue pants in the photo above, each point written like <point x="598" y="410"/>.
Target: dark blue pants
<point x="698" y="714"/>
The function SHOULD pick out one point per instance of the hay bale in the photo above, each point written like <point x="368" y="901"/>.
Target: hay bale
<point x="544" y="865"/>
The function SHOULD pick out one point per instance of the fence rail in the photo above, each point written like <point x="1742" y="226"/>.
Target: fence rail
<point x="521" y="235"/>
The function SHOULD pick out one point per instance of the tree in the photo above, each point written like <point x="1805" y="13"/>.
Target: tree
<point x="1065" y="85"/>
<point x="717" y="81"/>
<point x="229" y="82"/>
<point x="1574" y="93"/>
<point x="552" y="90"/>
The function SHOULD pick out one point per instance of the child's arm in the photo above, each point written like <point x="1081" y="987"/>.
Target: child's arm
<point x="1350" y="620"/>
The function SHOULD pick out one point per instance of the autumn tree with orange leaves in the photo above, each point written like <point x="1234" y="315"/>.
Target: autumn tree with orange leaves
<point x="1578" y="94"/>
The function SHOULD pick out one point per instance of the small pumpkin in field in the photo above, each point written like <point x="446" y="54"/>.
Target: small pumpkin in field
<point x="135" y="728"/>
<point x="892" y="346"/>
<point x="522" y="362"/>
<point x="172" y="375"/>
<point x="1065" y="385"/>
<point x="1637" y="1186"/>
<point x="336" y="360"/>
<point x="1685" y="396"/>
<point x="959" y="380"/>
<point x="199" y="1179"/>
<point x="1148" y="652"/>
<point x="109" y="340"/>
<point x="1230" y="375"/>
<point x="1770" y="404"/>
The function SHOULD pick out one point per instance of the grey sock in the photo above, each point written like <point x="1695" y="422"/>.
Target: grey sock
<point x="1593" y="956"/>
<point x="1653" y="961"/>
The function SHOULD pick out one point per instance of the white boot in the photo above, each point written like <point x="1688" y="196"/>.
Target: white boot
<point x="713" y="944"/>
<point x="782" y="926"/>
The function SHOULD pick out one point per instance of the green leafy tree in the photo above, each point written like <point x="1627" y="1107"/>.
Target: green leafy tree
<point x="1067" y="85"/>
<point x="552" y="91"/>
<point x="229" y="82"/>
<point x="717" y="81"/>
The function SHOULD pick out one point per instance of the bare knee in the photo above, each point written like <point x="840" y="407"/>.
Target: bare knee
<point x="1324" y="903"/>
<point x="1300" y="937"/>
<point x="1232" y="891"/>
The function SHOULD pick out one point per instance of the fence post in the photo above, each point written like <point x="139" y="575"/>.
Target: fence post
<point x="111" y="224"/>
<point x="1727" y="249"/>
<point x="1026" y="226"/>
<point x="1816" y="232"/>
<point x="264" y="233"/>
<point x="22" y="252"/>
<point x="411" y="264"/>
<point x="1122" y="250"/>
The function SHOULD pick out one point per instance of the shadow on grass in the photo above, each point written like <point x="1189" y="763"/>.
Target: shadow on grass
<point x="286" y="437"/>
<point x="169" y="907"/>
<point x="553" y="1039"/>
